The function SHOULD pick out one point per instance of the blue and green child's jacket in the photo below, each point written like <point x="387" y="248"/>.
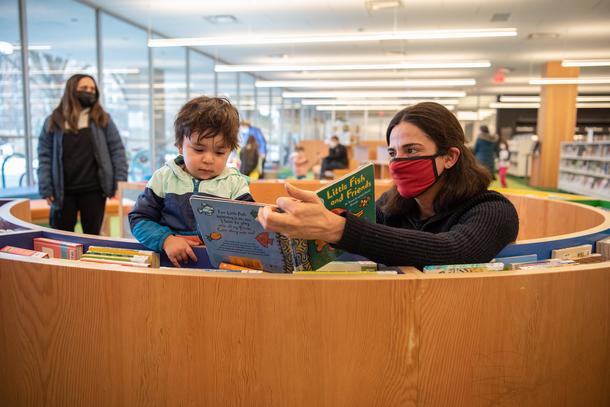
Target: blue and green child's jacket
<point x="163" y="209"/>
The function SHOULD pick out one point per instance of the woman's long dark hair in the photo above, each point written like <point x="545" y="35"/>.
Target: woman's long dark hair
<point x="69" y="108"/>
<point x="462" y="181"/>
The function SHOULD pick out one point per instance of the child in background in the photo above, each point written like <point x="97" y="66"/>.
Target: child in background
<point x="249" y="158"/>
<point x="503" y="162"/>
<point x="206" y="132"/>
<point x="299" y="162"/>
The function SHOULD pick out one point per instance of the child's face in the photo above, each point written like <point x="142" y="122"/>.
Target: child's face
<point x="204" y="158"/>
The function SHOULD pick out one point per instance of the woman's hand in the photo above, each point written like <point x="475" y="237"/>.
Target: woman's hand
<point x="304" y="217"/>
<point x="179" y="249"/>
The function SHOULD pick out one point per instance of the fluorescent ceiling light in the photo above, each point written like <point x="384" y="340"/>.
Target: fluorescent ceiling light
<point x="32" y="47"/>
<point x="336" y="102"/>
<point x="569" y="81"/>
<point x="377" y="94"/>
<point x="268" y="39"/>
<point x="375" y="5"/>
<point x="481" y="114"/>
<point x="351" y="67"/>
<point x="537" y="105"/>
<point x="407" y="83"/>
<point x="370" y="107"/>
<point x="83" y="70"/>
<point x="536" y="99"/>
<point x="585" y="62"/>
<point x="6" y="48"/>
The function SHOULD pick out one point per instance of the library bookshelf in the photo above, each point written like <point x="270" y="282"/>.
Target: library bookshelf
<point x="90" y="334"/>
<point x="585" y="168"/>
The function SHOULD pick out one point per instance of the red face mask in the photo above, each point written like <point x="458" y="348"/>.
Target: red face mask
<point x="414" y="175"/>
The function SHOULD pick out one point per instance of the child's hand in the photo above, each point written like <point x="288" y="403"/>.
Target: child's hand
<point x="179" y="249"/>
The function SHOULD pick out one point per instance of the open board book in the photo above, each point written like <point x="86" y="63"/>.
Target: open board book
<point x="232" y="234"/>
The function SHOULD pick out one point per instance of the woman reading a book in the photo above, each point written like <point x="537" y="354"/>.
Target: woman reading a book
<point x="438" y="212"/>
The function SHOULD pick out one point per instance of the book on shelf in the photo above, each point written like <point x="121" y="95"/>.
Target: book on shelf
<point x="24" y="252"/>
<point x="115" y="255"/>
<point x="509" y="261"/>
<point x="542" y="264"/>
<point x="232" y="234"/>
<point x="58" y="248"/>
<point x="572" y="252"/>
<point x="464" y="268"/>
<point x="602" y="247"/>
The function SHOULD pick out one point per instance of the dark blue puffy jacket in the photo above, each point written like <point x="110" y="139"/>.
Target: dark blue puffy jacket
<point x="110" y="156"/>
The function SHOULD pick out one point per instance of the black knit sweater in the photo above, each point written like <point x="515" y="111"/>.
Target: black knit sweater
<point x="474" y="232"/>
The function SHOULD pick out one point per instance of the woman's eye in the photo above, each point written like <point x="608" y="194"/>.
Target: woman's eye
<point x="411" y="151"/>
<point x="392" y="153"/>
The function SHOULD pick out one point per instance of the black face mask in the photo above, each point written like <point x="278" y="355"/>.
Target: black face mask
<point x="86" y="99"/>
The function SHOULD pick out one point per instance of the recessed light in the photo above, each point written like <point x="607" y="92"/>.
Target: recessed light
<point x="220" y="19"/>
<point x="542" y="36"/>
<point x="500" y="17"/>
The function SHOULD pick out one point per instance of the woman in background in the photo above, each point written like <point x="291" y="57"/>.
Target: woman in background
<point x="249" y="157"/>
<point x="81" y="158"/>
<point x="485" y="149"/>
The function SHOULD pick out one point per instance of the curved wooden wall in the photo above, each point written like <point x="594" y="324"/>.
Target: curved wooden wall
<point x="75" y="334"/>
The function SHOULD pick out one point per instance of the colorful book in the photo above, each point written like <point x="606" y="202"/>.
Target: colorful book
<point x="349" y="266"/>
<point x="508" y="261"/>
<point x="112" y="260"/>
<point x="542" y="264"/>
<point x="134" y="255"/>
<point x="464" y="268"/>
<point x="58" y="248"/>
<point x="232" y="234"/>
<point x="24" y="252"/>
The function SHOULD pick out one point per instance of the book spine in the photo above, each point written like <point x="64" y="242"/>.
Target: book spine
<point x="464" y="268"/>
<point x="24" y="252"/>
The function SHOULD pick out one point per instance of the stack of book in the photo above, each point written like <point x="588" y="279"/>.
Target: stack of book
<point x="603" y="247"/>
<point x="58" y="249"/>
<point x="24" y="252"/>
<point x="464" y="268"/>
<point x="126" y="257"/>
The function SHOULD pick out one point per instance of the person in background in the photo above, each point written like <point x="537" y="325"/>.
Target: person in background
<point x="503" y="162"/>
<point x="206" y="131"/>
<point x="299" y="162"/>
<point x="247" y="130"/>
<point x="485" y="149"/>
<point x="249" y="158"/>
<point x="81" y="158"/>
<point x="336" y="159"/>
<point x="438" y="212"/>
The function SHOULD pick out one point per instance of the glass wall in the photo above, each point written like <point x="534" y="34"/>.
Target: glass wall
<point x="62" y="42"/>
<point x="126" y="95"/>
<point x="227" y="86"/>
<point x="56" y="53"/>
<point x="201" y="75"/>
<point x="246" y="96"/>
<point x="169" y="94"/>
<point x="12" y="122"/>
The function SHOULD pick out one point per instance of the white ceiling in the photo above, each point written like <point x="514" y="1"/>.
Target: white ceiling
<point x="583" y="28"/>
